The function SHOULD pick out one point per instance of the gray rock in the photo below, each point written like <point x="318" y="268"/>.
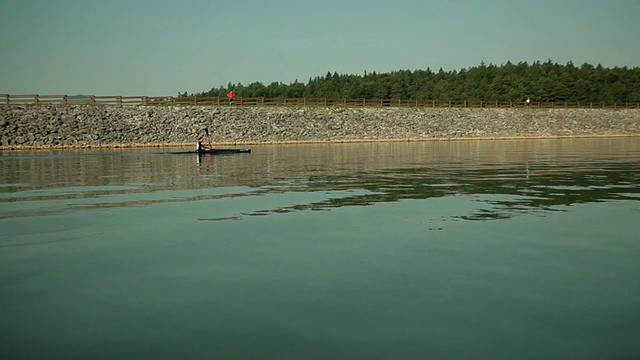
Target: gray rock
<point x="79" y="125"/>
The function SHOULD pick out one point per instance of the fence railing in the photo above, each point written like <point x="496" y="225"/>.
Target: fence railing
<point x="36" y="99"/>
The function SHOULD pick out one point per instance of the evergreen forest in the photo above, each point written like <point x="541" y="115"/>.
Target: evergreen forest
<point x="541" y="81"/>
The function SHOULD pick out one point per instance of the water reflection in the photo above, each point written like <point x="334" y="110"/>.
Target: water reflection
<point x="508" y="177"/>
<point x="507" y="188"/>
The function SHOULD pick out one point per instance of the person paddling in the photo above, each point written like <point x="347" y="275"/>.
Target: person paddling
<point x="203" y="144"/>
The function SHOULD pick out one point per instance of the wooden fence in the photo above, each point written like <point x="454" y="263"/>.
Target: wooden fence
<point x="35" y="99"/>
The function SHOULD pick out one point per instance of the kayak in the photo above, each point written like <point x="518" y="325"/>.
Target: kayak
<point x="221" y="151"/>
<point x="215" y="151"/>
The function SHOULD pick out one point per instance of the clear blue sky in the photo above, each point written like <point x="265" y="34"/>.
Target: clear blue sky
<point x="160" y="47"/>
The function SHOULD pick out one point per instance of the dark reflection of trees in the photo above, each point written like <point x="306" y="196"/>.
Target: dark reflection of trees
<point x="506" y="178"/>
<point x="508" y="189"/>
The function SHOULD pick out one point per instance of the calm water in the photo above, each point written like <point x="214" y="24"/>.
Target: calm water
<point x="441" y="250"/>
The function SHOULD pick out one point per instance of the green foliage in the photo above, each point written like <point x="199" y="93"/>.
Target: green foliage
<point x="541" y="81"/>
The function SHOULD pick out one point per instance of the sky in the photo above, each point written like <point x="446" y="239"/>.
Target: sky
<point x="166" y="47"/>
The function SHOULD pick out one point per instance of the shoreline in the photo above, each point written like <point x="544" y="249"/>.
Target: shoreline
<point x="304" y="142"/>
<point x="81" y="127"/>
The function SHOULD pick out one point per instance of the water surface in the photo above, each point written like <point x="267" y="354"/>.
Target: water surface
<point x="457" y="250"/>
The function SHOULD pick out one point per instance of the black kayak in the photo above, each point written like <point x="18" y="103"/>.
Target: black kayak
<point x="215" y="151"/>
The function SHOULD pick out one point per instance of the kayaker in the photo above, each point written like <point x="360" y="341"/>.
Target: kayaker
<point x="203" y="144"/>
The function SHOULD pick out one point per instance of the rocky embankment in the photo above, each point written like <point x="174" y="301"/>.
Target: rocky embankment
<point x="111" y="126"/>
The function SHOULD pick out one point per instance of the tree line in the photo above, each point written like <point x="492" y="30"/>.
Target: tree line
<point x="541" y="81"/>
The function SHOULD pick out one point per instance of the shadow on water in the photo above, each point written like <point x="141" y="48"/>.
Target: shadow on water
<point x="507" y="177"/>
